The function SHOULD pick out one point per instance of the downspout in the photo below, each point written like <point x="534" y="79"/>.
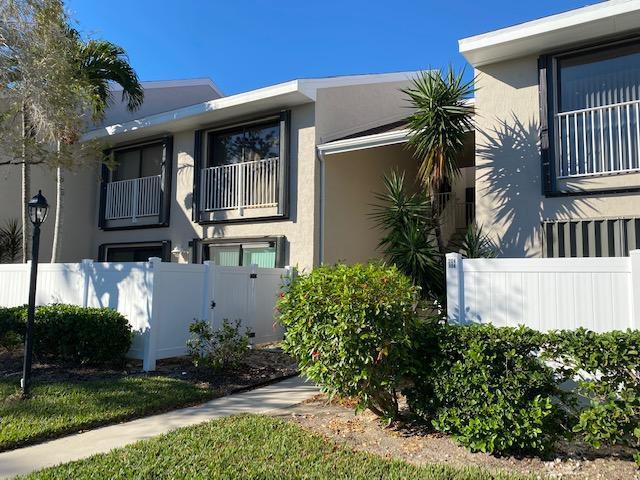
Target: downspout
<point x="322" y="206"/>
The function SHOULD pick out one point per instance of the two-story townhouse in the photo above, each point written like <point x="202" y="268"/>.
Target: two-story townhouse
<point x="236" y="180"/>
<point x="558" y="132"/>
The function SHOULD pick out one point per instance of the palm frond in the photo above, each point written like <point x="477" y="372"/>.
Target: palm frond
<point x="408" y="240"/>
<point x="440" y="120"/>
<point x="477" y="244"/>
<point x="103" y="62"/>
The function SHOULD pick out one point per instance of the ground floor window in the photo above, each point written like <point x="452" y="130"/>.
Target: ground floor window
<point x="134" y="252"/>
<point x="229" y="253"/>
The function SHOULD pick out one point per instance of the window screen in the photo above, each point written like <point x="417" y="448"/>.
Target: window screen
<point x="262" y="254"/>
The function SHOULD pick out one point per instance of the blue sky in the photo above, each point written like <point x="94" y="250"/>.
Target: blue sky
<point x="246" y="44"/>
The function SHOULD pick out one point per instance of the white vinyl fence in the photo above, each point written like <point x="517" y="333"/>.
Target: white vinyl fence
<point x="159" y="299"/>
<point x="599" y="294"/>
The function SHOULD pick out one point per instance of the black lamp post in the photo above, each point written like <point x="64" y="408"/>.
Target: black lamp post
<point x="37" y="208"/>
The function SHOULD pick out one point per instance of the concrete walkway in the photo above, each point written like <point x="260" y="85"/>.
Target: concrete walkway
<point x="272" y="398"/>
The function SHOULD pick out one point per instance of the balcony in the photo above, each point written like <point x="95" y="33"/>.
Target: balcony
<point x="233" y="188"/>
<point x="133" y="199"/>
<point x="599" y="140"/>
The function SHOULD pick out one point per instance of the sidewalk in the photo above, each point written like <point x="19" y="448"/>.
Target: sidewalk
<point x="272" y="398"/>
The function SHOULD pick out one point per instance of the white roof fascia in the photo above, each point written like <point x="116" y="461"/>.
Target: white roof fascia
<point x="194" y="110"/>
<point x="310" y="86"/>
<point x="602" y="19"/>
<point x="362" y="143"/>
<point x="303" y="89"/>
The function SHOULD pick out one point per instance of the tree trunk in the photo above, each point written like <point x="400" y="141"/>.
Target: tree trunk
<point x="26" y="189"/>
<point x="435" y="199"/>
<point x="57" y="227"/>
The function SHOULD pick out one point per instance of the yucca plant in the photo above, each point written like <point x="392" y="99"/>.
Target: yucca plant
<point x="10" y="242"/>
<point x="441" y="118"/>
<point x="476" y="243"/>
<point x="409" y="240"/>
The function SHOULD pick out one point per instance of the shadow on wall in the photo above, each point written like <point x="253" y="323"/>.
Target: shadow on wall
<point x="509" y="187"/>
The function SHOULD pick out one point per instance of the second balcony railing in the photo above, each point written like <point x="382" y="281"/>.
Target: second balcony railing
<point x="240" y="185"/>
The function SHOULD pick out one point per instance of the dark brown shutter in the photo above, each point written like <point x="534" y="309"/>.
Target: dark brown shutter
<point x="197" y="167"/>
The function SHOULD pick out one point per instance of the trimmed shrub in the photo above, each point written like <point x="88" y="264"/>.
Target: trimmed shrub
<point x="487" y="387"/>
<point x="351" y="329"/>
<point x="12" y="326"/>
<point x="81" y="335"/>
<point x="68" y="333"/>
<point x="217" y="349"/>
<point x="606" y="367"/>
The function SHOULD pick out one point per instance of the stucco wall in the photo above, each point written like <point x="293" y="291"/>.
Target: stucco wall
<point x="78" y="213"/>
<point x="298" y="229"/>
<point x="351" y="181"/>
<point x="509" y="200"/>
<point x="342" y="111"/>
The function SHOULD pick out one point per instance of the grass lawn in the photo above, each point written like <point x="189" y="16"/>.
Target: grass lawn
<point x="64" y="407"/>
<point x="250" y="446"/>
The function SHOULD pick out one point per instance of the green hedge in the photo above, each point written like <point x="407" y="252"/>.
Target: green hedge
<point x="68" y="333"/>
<point x="11" y="327"/>
<point x="355" y="331"/>
<point x="350" y="327"/>
<point x="487" y="387"/>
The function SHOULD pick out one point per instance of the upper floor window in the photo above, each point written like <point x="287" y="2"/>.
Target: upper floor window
<point x="244" y="170"/>
<point x="138" y="162"/>
<point x="136" y="191"/>
<point x="597" y="111"/>
<point x="244" y="144"/>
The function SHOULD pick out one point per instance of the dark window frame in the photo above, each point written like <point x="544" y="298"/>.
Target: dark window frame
<point x="164" y="244"/>
<point x="201" y="139"/>
<point x="279" y="242"/>
<point x="166" y="179"/>
<point x="548" y="88"/>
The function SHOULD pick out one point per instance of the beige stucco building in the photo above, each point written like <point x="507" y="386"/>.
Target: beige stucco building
<point x="287" y="174"/>
<point x="558" y="132"/>
<point x="232" y="179"/>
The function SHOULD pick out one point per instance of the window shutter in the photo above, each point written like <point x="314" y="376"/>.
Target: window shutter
<point x="546" y="153"/>
<point x="197" y="168"/>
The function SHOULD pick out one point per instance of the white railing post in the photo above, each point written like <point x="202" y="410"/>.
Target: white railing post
<point x="151" y="335"/>
<point x="240" y="188"/>
<point x="634" y="258"/>
<point x="134" y="201"/>
<point x="87" y="268"/>
<point x="455" y="288"/>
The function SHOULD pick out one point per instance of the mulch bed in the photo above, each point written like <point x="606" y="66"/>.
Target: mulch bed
<point x="261" y="366"/>
<point x="416" y="444"/>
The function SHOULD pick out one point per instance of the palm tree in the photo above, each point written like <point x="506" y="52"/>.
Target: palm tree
<point x="100" y="64"/>
<point x="440" y="120"/>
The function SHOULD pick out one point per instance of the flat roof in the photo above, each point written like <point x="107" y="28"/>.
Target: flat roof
<point x="603" y="19"/>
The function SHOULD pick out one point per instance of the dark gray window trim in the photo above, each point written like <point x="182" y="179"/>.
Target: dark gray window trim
<point x="279" y="242"/>
<point x="166" y="187"/>
<point x="200" y="147"/>
<point x="165" y="244"/>
<point x="548" y="79"/>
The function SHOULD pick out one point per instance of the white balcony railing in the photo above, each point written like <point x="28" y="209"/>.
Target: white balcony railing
<point x="599" y="140"/>
<point x="240" y="185"/>
<point x="138" y="197"/>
